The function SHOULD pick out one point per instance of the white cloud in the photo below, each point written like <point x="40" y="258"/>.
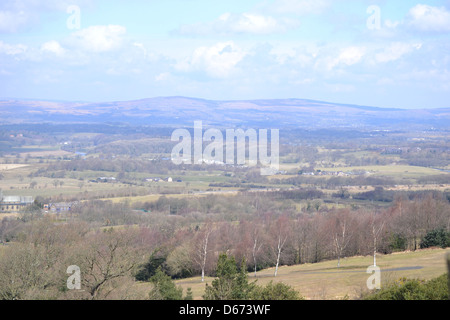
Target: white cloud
<point x="162" y="77"/>
<point x="12" y="49"/>
<point x="391" y="24"/>
<point x="218" y="61"/>
<point x="99" y="38"/>
<point x="251" y="23"/>
<point x="347" y="57"/>
<point x="428" y="18"/>
<point x="12" y="21"/>
<point x="300" y="7"/>
<point x="53" y="47"/>
<point x="351" y="55"/>
<point x="395" y="51"/>
<point x="244" y="23"/>
<point x="257" y="24"/>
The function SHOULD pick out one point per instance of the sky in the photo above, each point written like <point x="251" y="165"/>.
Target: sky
<point x="384" y="53"/>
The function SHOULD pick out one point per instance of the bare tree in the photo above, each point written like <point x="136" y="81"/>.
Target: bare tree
<point x="202" y="247"/>
<point x="341" y="232"/>
<point x="107" y="258"/>
<point x="24" y="273"/>
<point x="248" y="242"/>
<point x="280" y="233"/>
<point x="377" y="224"/>
<point x="256" y="245"/>
<point x="34" y="266"/>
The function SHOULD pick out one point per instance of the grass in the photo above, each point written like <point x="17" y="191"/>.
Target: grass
<point x="155" y="197"/>
<point x="392" y="171"/>
<point x="324" y="281"/>
<point x="399" y="171"/>
<point x="12" y="166"/>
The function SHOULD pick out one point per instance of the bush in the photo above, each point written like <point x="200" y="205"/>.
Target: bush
<point x="165" y="289"/>
<point x="406" y="289"/>
<point x="232" y="284"/>
<point x="277" y="291"/>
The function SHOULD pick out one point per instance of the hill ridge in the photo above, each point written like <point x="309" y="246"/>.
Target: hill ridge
<point x="180" y="110"/>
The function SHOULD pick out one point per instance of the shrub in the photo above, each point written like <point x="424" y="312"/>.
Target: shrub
<point x="277" y="291"/>
<point x="232" y="284"/>
<point x="414" y="289"/>
<point x="165" y="289"/>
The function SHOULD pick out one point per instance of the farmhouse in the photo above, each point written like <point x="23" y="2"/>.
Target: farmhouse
<point x="59" y="207"/>
<point x="14" y="203"/>
<point x="106" y="179"/>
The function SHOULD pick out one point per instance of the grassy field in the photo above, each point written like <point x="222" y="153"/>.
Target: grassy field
<point x="324" y="281"/>
<point x="5" y="167"/>
<point x="403" y="171"/>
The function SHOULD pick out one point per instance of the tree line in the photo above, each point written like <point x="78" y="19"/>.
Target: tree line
<point x="116" y="246"/>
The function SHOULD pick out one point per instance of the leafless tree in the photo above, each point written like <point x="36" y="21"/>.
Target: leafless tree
<point x="376" y="224"/>
<point x="341" y="231"/>
<point x="201" y="248"/>
<point x="279" y="231"/>
<point x="107" y="258"/>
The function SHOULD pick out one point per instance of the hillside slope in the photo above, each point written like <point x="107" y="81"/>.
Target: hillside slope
<point x="180" y="111"/>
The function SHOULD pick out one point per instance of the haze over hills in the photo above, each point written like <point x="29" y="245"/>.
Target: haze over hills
<point x="183" y="111"/>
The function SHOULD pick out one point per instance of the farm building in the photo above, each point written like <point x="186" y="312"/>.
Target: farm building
<point x="59" y="207"/>
<point x="14" y="203"/>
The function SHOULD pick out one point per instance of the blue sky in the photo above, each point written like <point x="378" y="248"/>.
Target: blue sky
<point x="385" y="53"/>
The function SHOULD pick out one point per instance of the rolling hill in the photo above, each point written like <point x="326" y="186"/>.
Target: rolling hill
<point x="183" y="111"/>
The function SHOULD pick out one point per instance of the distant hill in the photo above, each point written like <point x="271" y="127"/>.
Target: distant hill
<point x="183" y="111"/>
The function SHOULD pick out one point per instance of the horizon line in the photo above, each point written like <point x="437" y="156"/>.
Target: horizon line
<point x="217" y="100"/>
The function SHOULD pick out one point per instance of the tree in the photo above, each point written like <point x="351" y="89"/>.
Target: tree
<point x="341" y="232"/>
<point x="165" y="289"/>
<point x="376" y="223"/>
<point x="202" y="248"/>
<point x="280" y="233"/>
<point x="107" y="259"/>
<point x="436" y="238"/>
<point x="249" y="241"/>
<point x="301" y="238"/>
<point x="410" y="222"/>
<point x="25" y="273"/>
<point x="179" y="263"/>
<point x="243" y="288"/>
<point x="148" y="270"/>
<point x="34" y="266"/>
<point x="230" y="283"/>
<point x="256" y="247"/>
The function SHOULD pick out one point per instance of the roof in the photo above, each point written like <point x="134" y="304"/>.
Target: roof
<point x="11" y="199"/>
<point x="17" y="199"/>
